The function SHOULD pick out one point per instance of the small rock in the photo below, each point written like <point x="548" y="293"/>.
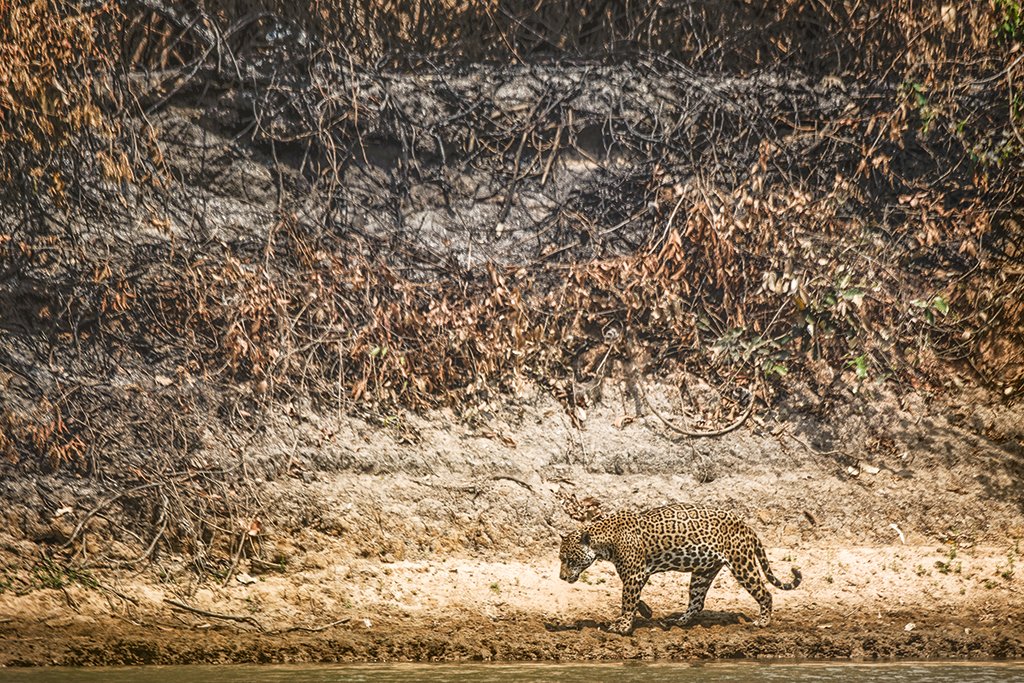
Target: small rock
<point x="244" y="579"/>
<point x="910" y="627"/>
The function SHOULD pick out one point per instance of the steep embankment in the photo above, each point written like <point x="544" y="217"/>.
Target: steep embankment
<point x="446" y="548"/>
<point x="308" y="347"/>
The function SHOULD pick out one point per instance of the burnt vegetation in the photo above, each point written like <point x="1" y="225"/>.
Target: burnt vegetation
<point x="211" y="209"/>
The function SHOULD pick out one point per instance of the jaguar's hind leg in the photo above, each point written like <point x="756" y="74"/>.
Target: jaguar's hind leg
<point x="748" y="577"/>
<point x="700" y="582"/>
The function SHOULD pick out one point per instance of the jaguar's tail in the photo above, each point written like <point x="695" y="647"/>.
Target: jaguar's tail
<point x="762" y="557"/>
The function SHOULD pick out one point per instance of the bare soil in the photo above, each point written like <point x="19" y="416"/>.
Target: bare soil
<point x="856" y="602"/>
<point x="437" y="540"/>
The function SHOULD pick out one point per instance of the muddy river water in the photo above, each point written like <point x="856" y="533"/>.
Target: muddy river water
<point x="500" y="673"/>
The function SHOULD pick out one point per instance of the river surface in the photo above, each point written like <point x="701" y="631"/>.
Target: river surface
<point x="562" y="673"/>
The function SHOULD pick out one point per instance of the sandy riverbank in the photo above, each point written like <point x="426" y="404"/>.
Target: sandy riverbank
<point x="856" y="602"/>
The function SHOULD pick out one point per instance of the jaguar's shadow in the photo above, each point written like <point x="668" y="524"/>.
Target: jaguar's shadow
<point x="578" y="625"/>
<point x="704" y="619"/>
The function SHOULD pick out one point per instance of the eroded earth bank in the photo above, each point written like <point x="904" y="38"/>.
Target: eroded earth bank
<point x="446" y="548"/>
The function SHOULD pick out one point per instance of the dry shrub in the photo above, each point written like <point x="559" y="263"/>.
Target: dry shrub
<point x="53" y="79"/>
<point x="44" y="434"/>
<point x="837" y="251"/>
<point x="815" y="36"/>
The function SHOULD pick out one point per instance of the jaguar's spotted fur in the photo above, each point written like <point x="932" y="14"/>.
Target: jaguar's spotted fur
<point x="682" y="538"/>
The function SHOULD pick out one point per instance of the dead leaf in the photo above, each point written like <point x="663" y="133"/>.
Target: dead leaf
<point x="244" y="579"/>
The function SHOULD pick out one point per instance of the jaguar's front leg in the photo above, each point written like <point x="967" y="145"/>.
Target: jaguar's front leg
<point x="632" y="585"/>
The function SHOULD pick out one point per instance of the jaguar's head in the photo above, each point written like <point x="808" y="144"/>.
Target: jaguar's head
<point x="576" y="555"/>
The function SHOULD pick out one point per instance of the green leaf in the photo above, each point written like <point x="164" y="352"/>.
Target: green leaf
<point x="860" y="366"/>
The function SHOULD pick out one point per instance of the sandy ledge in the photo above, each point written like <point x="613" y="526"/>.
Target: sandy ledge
<point x="856" y="602"/>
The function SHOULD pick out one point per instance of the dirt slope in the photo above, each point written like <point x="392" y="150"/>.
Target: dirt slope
<point x="437" y="540"/>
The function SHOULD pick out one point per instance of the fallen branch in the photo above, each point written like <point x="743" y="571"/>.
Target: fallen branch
<point x="316" y="629"/>
<point x="812" y="449"/>
<point x="114" y="591"/>
<point x="214" y="615"/>
<point x="696" y="434"/>
<point x="103" y="504"/>
<point x="513" y="480"/>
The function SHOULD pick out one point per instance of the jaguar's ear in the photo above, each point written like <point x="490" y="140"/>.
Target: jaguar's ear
<point x="585" y="538"/>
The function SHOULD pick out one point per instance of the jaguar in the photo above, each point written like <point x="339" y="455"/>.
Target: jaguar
<point x="679" y="537"/>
